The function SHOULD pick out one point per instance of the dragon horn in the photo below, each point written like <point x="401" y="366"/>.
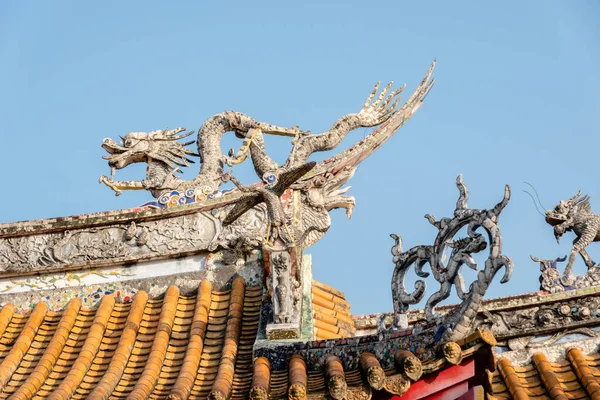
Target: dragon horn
<point x="184" y="135"/>
<point x="500" y="206"/>
<point x="584" y="198"/>
<point x="572" y="199"/>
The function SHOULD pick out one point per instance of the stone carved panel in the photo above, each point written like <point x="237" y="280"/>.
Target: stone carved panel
<point x="553" y="316"/>
<point x="111" y="244"/>
<point x="286" y="289"/>
<point x="282" y="288"/>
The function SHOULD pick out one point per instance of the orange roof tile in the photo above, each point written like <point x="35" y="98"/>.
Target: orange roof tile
<point x="576" y="377"/>
<point x="183" y="385"/>
<point x="261" y="380"/>
<point x="331" y="313"/>
<point x="178" y="347"/>
<point x="186" y="347"/>
<point x="584" y="373"/>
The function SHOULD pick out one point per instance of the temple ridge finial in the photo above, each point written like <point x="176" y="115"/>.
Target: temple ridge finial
<point x="448" y="274"/>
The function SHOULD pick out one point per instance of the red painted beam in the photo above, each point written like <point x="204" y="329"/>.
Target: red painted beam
<point x="436" y="383"/>
<point x="451" y="393"/>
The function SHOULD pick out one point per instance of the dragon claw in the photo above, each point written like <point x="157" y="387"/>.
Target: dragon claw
<point x="110" y="184"/>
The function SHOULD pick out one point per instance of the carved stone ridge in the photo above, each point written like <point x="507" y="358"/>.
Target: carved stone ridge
<point x="542" y="317"/>
<point x="141" y="240"/>
<point x="552" y="281"/>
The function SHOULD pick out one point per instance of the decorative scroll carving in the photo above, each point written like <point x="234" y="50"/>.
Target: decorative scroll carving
<point x="550" y="277"/>
<point x="448" y="274"/>
<point x="575" y="215"/>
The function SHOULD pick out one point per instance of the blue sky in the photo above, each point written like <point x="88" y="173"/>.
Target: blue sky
<point x="516" y="99"/>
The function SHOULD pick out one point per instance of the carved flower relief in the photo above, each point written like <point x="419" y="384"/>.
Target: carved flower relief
<point x="566" y="313"/>
<point x="564" y="310"/>
<point x="550" y="281"/>
<point x="551" y="285"/>
<point x="591" y="278"/>
<point x="584" y="312"/>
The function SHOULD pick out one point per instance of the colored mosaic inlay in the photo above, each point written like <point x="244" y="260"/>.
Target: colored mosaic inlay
<point x="190" y="196"/>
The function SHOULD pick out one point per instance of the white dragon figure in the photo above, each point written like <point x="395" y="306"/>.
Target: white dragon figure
<point x="318" y="183"/>
<point x="576" y="215"/>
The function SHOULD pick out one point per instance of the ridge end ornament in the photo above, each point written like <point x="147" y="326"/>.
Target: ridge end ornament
<point x="575" y="215"/>
<point x="457" y="322"/>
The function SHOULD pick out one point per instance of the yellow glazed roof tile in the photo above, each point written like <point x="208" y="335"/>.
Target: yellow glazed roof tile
<point x="186" y="347"/>
<point x="331" y="313"/>
<point x="178" y="346"/>
<point x="576" y="377"/>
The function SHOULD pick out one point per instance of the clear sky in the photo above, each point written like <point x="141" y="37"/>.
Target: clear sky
<point x="516" y="99"/>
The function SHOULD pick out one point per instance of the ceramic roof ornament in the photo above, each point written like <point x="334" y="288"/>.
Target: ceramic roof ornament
<point x="448" y="274"/>
<point x="575" y="215"/>
<point x="318" y="185"/>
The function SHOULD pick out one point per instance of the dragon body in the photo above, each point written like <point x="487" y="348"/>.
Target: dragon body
<point x="164" y="154"/>
<point x="318" y="187"/>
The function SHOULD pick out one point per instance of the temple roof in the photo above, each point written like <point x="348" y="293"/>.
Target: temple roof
<point x="190" y="346"/>
<point x="219" y="301"/>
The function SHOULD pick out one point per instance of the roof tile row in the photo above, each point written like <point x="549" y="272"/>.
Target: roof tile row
<point x="576" y="377"/>
<point x="177" y="347"/>
<point x="331" y="313"/>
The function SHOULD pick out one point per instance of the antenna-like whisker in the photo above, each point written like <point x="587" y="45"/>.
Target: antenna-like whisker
<point x="535" y="204"/>
<point x="536" y="195"/>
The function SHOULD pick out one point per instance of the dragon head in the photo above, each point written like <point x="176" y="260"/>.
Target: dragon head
<point x="469" y="244"/>
<point x="566" y="209"/>
<point x="326" y="191"/>
<point x="160" y="145"/>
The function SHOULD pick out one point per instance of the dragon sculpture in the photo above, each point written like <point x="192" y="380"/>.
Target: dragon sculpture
<point x="575" y="215"/>
<point x="316" y="186"/>
<point x="447" y="274"/>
